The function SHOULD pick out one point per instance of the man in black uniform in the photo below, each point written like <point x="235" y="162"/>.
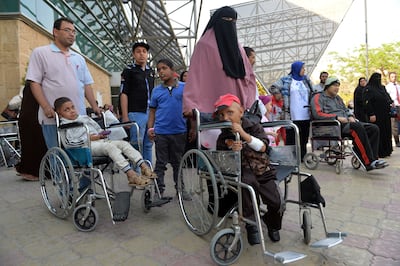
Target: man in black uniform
<point x="137" y="82"/>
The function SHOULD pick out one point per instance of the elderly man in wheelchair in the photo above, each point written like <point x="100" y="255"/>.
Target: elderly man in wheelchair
<point x="328" y="105"/>
<point x="256" y="169"/>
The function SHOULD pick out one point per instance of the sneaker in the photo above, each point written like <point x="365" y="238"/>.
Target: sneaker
<point x="377" y="164"/>
<point x="380" y="161"/>
<point x="274" y="235"/>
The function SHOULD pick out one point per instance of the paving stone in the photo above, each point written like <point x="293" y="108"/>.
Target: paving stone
<point x="364" y="205"/>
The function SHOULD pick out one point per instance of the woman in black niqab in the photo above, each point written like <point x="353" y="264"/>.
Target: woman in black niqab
<point x="377" y="102"/>
<point x="223" y="21"/>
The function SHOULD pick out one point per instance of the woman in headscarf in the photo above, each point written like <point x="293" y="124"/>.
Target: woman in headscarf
<point x="358" y="97"/>
<point x="377" y="102"/>
<point x="296" y="89"/>
<point x="218" y="66"/>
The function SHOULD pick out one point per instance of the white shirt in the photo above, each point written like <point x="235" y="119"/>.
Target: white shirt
<point x="393" y="90"/>
<point x="299" y="94"/>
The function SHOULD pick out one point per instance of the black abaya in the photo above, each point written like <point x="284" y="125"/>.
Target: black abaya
<point x="378" y="103"/>
<point x="33" y="146"/>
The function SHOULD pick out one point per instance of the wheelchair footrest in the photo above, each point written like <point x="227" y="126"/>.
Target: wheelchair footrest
<point x="288" y="257"/>
<point x="327" y="242"/>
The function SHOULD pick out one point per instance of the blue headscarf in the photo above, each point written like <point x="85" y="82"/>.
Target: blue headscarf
<point x="295" y="71"/>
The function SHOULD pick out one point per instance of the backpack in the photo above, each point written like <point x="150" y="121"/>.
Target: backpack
<point x="311" y="191"/>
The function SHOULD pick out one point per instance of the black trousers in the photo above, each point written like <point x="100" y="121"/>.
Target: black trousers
<point x="169" y="149"/>
<point x="267" y="188"/>
<point x="365" y="140"/>
<point x="304" y="132"/>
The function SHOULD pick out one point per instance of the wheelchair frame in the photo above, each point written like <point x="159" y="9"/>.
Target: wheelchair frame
<point x="10" y="151"/>
<point x="329" y="132"/>
<point x="202" y="177"/>
<point x="59" y="178"/>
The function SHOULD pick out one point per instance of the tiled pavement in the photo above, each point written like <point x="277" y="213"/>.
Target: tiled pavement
<point x="365" y="205"/>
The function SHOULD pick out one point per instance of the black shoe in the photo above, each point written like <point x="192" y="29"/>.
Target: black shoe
<point x="274" y="235"/>
<point x="252" y="235"/>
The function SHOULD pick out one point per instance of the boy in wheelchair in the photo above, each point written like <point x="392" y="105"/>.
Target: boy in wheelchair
<point x="101" y="146"/>
<point x="255" y="165"/>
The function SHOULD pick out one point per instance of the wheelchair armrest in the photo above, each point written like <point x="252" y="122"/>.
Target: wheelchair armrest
<point x="278" y="123"/>
<point x="215" y="125"/>
<point x="71" y="125"/>
<point x="121" y="124"/>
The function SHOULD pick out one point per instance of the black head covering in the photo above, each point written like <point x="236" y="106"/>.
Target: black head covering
<point x="226" y="36"/>
<point x="375" y="81"/>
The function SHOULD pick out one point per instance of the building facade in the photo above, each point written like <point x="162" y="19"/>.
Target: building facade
<point x="103" y="38"/>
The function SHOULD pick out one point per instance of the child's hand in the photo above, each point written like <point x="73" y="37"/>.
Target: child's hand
<point x="151" y="134"/>
<point x="237" y="128"/>
<point x="233" y="144"/>
<point x="95" y="137"/>
<point x="237" y="146"/>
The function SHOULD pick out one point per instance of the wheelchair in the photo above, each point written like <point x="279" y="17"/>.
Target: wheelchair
<point x="329" y="146"/>
<point x="10" y="152"/>
<point x="63" y="167"/>
<point x="207" y="175"/>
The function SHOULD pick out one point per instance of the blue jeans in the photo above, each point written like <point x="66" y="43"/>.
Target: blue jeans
<point x="50" y="135"/>
<point x="145" y="143"/>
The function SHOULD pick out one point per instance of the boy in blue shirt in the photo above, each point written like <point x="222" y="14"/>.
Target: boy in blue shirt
<point x="166" y="124"/>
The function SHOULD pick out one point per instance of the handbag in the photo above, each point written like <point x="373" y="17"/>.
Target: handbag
<point x="254" y="112"/>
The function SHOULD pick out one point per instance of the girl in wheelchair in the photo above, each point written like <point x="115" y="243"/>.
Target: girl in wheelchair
<point x="101" y="146"/>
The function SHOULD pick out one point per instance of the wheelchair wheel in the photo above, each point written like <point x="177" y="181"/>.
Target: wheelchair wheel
<point x="306" y="226"/>
<point x="146" y="200"/>
<point x="58" y="183"/>
<point x="330" y="156"/>
<point x="196" y="177"/>
<point x="339" y="166"/>
<point x="311" y="161"/>
<point x="355" y="162"/>
<point x="85" y="218"/>
<point x="219" y="247"/>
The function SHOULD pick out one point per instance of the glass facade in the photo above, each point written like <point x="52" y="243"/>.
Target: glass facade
<point x="103" y="31"/>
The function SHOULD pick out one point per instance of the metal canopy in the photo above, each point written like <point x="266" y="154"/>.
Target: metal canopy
<point x="284" y="31"/>
<point x="167" y="38"/>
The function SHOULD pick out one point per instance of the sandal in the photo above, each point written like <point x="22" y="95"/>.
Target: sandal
<point x="146" y="171"/>
<point x="29" y="177"/>
<point x="138" y="181"/>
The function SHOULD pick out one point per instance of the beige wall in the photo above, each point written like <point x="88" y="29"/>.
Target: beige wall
<point x="17" y="41"/>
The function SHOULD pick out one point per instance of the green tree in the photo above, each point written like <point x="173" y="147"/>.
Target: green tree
<point x="350" y="67"/>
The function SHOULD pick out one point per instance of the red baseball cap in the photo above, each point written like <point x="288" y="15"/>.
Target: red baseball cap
<point x="225" y="101"/>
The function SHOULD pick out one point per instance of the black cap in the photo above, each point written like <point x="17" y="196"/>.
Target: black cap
<point x="140" y="44"/>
